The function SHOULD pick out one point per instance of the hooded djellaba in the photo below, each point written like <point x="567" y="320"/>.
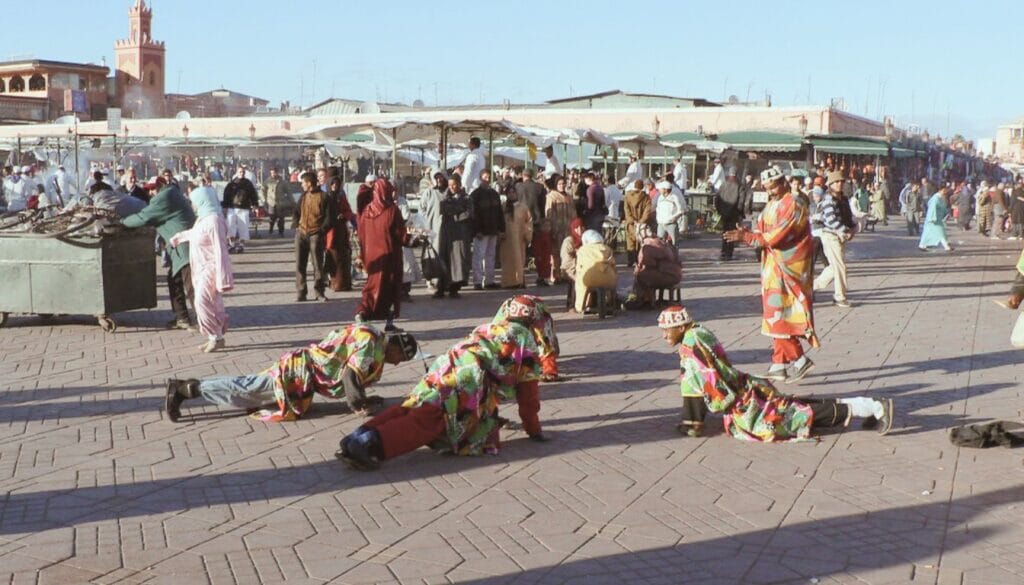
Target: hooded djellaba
<point x="381" y="237"/>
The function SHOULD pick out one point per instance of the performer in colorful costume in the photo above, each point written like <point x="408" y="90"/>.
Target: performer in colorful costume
<point x="454" y="408"/>
<point x="530" y="311"/>
<point x="752" y="408"/>
<point x="343" y="364"/>
<point x="787" y="292"/>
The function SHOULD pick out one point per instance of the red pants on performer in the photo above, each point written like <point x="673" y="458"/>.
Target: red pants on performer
<point x="402" y="430"/>
<point x="541" y="246"/>
<point x="786" y="350"/>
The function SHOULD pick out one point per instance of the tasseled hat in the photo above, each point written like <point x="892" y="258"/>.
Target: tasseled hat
<point x="521" y="308"/>
<point x="674" y="316"/>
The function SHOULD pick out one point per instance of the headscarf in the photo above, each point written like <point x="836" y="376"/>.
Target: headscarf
<point x="204" y="200"/>
<point x="576" y="231"/>
<point x="383" y="197"/>
<point x="592" y="237"/>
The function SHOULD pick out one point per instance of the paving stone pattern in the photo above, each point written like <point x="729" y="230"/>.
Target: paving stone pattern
<point x="97" y="486"/>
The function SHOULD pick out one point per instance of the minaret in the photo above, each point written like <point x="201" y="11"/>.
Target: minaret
<point x="139" y="67"/>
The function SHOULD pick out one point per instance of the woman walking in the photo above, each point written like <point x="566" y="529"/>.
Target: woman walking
<point x="934" y="233"/>
<point x="211" y="266"/>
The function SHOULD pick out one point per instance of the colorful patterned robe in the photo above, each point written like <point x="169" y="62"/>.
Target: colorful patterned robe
<point x="472" y="379"/>
<point x="318" y="368"/>
<point x="787" y="293"/>
<point x="543" y="328"/>
<point x="753" y="409"/>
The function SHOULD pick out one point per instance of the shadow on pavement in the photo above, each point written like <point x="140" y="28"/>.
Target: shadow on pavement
<point x="895" y="539"/>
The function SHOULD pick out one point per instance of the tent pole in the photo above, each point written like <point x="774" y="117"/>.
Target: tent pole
<point x="444" y="149"/>
<point x="394" y="154"/>
<point x="490" y="149"/>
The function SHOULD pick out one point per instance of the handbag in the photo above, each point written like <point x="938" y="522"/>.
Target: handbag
<point x="430" y="263"/>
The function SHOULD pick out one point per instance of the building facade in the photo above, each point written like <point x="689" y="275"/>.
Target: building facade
<point x="34" y="90"/>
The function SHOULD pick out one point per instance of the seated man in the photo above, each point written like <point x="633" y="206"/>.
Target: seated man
<point x="454" y="408"/>
<point x="345" y="363"/>
<point x="753" y="409"/>
<point x="567" y="252"/>
<point x="657" y="267"/>
<point x="531" y="312"/>
<point x="595" y="268"/>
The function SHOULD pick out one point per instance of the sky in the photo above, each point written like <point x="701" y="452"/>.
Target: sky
<point x="943" y="65"/>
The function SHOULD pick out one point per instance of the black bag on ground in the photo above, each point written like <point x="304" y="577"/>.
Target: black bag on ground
<point x="431" y="263"/>
<point x="982" y="436"/>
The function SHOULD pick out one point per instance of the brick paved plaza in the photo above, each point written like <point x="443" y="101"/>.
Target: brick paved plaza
<point x="98" y="486"/>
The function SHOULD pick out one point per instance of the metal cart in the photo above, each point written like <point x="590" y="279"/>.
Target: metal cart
<point x="78" y="269"/>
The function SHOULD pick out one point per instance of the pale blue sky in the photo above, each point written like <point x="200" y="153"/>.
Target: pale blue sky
<point x="922" y="61"/>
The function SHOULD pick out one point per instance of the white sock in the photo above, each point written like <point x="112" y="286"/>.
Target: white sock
<point x="799" y="363"/>
<point x="862" y="406"/>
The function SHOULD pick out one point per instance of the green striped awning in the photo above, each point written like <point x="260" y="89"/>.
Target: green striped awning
<point x="754" y="141"/>
<point x="850" y="145"/>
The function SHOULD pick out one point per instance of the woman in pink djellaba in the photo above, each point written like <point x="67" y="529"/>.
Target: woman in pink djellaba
<point x="211" y="266"/>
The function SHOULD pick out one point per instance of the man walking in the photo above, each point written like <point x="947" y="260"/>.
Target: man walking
<point x="837" y="229"/>
<point x="534" y="196"/>
<point x="912" y="210"/>
<point x="311" y="221"/>
<point x="729" y="203"/>
<point x="488" y="224"/>
<point x="239" y="198"/>
<point x="278" y="201"/>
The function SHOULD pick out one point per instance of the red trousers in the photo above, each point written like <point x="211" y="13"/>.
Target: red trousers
<point x="403" y="429"/>
<point x="786" y="350"/>
<point x="406" y="429"/>
<point x="542" y="253"/>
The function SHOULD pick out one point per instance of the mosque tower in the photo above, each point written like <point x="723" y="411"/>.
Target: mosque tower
<point x="139" y="67"/>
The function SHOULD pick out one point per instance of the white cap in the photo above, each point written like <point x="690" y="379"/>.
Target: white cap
<point x="26" y="169"/>
<point x="371" y="178"/>
<point x="664" y="185"/>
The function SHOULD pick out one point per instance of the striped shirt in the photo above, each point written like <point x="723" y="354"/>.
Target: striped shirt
<point x="830" y="215"/>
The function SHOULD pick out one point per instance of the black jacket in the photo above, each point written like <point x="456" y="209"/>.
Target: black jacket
<point x="488" y="217"/>
<point x="240" y="194"/>
<point x="534" y="196"/>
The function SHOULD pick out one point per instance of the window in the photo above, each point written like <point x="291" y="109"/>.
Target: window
<point x="37" y="83"/>
<point x="3" y="86"/>
<point x="152" y="78"/>
<point x="17" y="84"/>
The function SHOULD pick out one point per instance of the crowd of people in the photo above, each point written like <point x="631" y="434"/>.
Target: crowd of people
<point x="565" y="227"/>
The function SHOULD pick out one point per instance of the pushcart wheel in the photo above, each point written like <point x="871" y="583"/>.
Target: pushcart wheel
<point x="3" y="319"/>
<point x="107" y="323"/>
